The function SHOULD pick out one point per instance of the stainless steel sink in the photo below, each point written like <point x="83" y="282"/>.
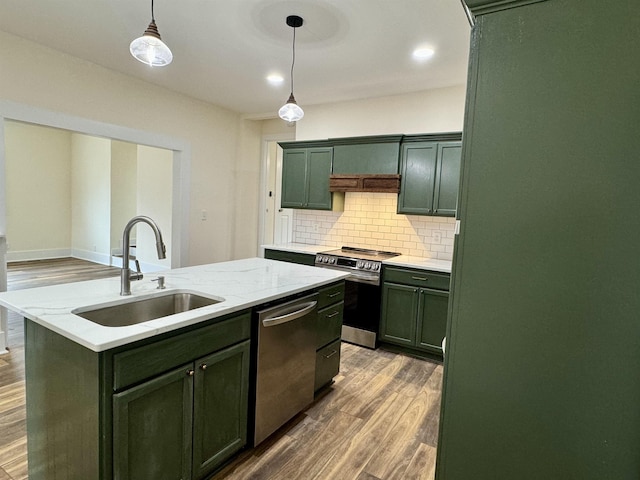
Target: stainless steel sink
<point x="137" y="311"/>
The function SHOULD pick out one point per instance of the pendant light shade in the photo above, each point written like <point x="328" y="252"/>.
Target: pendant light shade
<point x="149" y="48"/>
<point x="290" y="111"/>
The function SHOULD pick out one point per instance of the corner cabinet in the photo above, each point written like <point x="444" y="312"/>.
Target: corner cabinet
<point x="414" y="308"/>
<point x="430" y="174"/>
<point x="305" y="176"/>
<point x="175" y="406"/>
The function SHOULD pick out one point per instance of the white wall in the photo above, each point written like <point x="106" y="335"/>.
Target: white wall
<point x="154" y="200"/>
<point x="40" y="77"/>
<point x="38" y="162"/>
<point x="438" y="110"/>
<point x="124" y="184"/>
<point x="91" y="198"/>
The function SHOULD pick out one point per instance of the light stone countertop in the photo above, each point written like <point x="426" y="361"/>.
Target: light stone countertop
<point x="432" y="264"/>
<point x="240" y="284"/>
<point x="299" y="248"/>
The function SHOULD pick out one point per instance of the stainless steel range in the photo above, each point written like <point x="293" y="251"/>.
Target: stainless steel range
<point x="362" y="296"/>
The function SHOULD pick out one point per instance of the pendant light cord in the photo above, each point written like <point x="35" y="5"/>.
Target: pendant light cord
<point x="293" y="60"/>
<point x="152" y="17"/>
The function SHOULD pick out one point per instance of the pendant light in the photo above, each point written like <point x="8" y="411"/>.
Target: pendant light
<point x="290" y="111"/>
<point x="149" y="48"/>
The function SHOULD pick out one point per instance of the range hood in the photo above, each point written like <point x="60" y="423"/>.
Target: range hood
<point x="381" y="183"/>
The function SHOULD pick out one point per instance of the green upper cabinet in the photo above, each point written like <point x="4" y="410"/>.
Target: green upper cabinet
<point x="445" y="196"/>
<point x="417" y="180"/>
<point x="305" y="177"/>
<point x="430" y="175"/>
<point x="366" y="155"/>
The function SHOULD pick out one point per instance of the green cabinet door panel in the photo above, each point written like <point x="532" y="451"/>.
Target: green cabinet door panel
<point x="220" y="407"/>
<point x="305" y="178"/>
<point x="372" y="158"/>
<point x="432" y="319"/>
<point x="399" y="312"/>
<point x="152" y="428"/>
<point x="445" y="197"/>
<point x="319" y="169"/>
<point x="418" y="176"/>
<point x="294" y="178"/>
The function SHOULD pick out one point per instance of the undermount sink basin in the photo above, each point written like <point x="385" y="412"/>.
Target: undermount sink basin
<point x="142" y="310"/>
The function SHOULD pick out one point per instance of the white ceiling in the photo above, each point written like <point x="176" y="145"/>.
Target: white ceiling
<point x="224" y="49"/>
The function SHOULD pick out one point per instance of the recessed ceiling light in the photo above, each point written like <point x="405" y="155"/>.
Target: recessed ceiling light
<point x="423" y="53"/>
<point x="275" y="79"/>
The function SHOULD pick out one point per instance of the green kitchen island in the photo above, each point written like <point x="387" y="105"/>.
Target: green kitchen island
<point x="167" y="397"/>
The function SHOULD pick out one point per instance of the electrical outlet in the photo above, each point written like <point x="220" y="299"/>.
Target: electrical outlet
<point x="437" y="237"/>
<point x="203" y="215"/>
<point x="316" y="227"/>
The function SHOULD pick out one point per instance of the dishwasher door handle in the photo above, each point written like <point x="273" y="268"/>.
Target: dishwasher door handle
<point x="278" y="317"/>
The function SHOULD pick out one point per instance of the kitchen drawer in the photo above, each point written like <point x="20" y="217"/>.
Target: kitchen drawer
<point x="291" y="257"/>
<point x="329" y="324"/>
<point x="331" y="294"/>
<point x="418" y="278"/>
<point x="137" y="364"/>
<point x="327" y="364"/>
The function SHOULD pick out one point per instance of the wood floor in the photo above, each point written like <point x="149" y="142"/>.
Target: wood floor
<point x="378" y="421"/>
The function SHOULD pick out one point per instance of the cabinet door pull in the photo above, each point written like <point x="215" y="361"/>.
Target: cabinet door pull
<point x="190" y="373"/>
<point x="333" y="314"/>
<point x="203" y="366"/>
<point x="333" y="352"/>
<point x="423" y="279"/>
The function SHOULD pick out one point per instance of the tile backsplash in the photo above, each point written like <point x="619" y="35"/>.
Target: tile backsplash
<point x="370" y="221"/>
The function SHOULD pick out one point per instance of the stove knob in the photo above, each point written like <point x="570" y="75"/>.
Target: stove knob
<point x="332" y="260"/>
<point x="368" y="266"/>
<point x="325" y="259"/>
<point x="360" y="264"/>
<point x="376" y="267"/>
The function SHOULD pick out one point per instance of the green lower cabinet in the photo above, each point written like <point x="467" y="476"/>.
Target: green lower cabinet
<point x="220" y="407"/>
<point x="291" y="257"/>
<point x="399" y="314"/>
<point x="413" y="315"/>
<point x="432" y="319"/>
<point x="184" y="423"/>
<point x="328" y="333"/>
<point x="171" y="407"/>
<point x="152" y="428"/>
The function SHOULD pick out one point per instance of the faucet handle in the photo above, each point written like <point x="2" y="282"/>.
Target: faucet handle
<point x="137" y="266"/>
<point x="160" y="281"/>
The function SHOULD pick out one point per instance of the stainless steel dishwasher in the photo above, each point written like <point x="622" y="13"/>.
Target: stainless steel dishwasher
<point x="285" y="363"/>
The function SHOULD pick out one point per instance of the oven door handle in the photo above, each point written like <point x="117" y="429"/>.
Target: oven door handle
<point x="283" y="316"/>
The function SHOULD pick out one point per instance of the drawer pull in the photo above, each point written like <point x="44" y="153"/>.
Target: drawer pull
<point x="331" y="354"/>
<point x="422" y="279"/>
<point x="334" y="294"/>
<point x="333" y="314"/>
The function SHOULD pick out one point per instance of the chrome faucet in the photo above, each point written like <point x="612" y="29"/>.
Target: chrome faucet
<point x="125" y="274"/>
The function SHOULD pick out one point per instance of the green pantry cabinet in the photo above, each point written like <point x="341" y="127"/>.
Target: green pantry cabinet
<point x="541" y="378"/>
<point x="414" y="308"/>
<point x="174" y="407"/>
<point x="430" y="174"/>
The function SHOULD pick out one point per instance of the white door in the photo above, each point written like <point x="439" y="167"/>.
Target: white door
<point x="276" y="222"/>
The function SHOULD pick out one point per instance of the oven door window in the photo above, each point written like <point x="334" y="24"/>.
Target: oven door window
<point x="362" y="306"/>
